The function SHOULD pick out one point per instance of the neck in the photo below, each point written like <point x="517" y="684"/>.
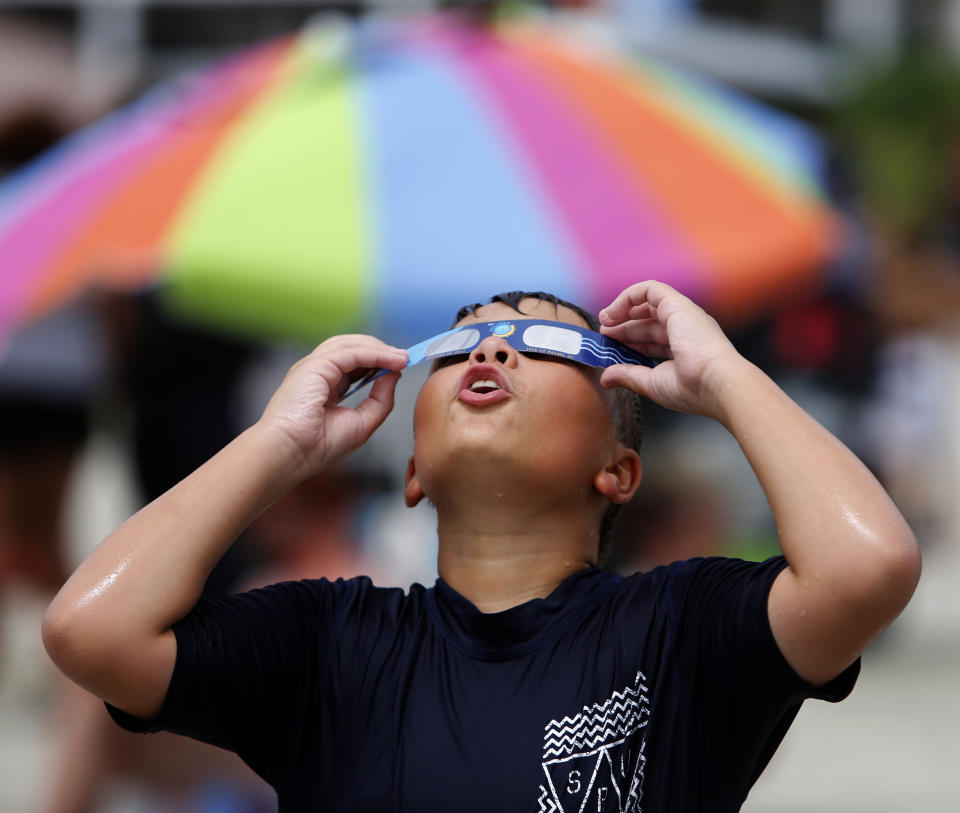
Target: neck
<point x="488" y="561"/>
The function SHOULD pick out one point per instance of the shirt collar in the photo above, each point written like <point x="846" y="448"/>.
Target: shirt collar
<point x="506" y="634"/>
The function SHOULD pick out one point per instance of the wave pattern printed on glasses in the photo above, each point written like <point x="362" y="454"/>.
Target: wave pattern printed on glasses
<point x="605" y="352"/>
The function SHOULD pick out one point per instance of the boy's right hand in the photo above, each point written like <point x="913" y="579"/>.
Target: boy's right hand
<point x="303" y="413"/>
<point x="110" y="627"/>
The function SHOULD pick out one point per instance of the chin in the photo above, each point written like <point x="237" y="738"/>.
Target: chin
<point x="480" y="450"/>
<point x="479" y="459"/>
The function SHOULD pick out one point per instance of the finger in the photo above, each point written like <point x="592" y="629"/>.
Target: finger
<point x="652" y="342"/>
<point x="353" y="339"/>
<point x="631" y="376"/>
<point x="642" y="311"/>
<point x="618" y="311"/>
<point x="356" y="343"/>
<point x="348" y="344"/>
<point x="373" y="410"/>
<point x="350" y="357"/>
<point x="653" y="350"/>
<point x="359" y="378"/>
<point x="650" y="293"/>
<point x="638" y="331"/>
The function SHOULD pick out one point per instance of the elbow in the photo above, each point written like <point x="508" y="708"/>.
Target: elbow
<point x="59" y="637"/>
<point x="72" y="641"/>
<point x="893" y="574"/>
<point x="906" y="566"/>
<point x="874" y="578"/>
<point x="109" y="660"/>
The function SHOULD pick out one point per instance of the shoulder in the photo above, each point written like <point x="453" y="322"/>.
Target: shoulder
<point x="291" y="617"/>
<point x="708" y="585"/>
<point x="302" y="595"/>
<point x="360" y="600"/>
<point x="713" y="573"/>
<point x="303" y="603"/>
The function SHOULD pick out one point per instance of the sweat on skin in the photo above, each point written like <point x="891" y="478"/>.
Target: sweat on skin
<point x="520" y="476"/>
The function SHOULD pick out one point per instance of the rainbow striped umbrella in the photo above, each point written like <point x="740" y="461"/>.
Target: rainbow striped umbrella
<point x="370" y="176"/>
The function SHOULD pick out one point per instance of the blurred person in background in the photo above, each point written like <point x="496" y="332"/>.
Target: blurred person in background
<point x="352" y="697"/>
<point x="43" y="425"/>
<point x="184" y="391"/>
<point x="48" y="377"/>
<point x="314" y="531"/>
<point x="678" y="516"/>
<point x="175" y="387"/>
<point x="899" y="121"/>
<point x="50" y="374"/>
<point x="43" y="93"/>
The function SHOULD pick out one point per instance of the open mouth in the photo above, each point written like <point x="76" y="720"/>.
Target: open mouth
<point x="484" y="385"/>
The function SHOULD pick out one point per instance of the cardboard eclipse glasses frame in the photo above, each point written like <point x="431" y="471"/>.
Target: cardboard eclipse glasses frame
<point x="537" y="336"/>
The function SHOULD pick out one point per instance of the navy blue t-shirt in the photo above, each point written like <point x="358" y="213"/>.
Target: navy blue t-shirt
<point x="662" y="691"/>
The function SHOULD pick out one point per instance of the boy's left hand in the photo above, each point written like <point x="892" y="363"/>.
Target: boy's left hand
<point x="654" y="319"/>
<point x="853" y="560"/>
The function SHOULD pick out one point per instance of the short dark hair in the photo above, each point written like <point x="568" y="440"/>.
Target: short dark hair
<point x="628" y="405"/>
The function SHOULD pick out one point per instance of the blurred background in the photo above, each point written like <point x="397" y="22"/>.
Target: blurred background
<point x="194" y="193"/>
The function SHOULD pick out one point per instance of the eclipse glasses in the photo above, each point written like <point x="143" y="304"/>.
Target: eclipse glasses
<point x="527" y="336"/>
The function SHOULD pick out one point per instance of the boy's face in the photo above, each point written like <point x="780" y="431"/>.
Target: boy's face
<point x="541" y="417"/>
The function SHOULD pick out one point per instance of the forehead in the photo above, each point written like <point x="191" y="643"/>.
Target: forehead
<point x="531" y="309"/>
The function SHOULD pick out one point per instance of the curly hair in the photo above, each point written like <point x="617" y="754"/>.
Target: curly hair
<point x="628" y="412"/>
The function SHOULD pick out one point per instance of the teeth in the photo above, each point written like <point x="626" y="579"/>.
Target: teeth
<point x="484" y="384"/>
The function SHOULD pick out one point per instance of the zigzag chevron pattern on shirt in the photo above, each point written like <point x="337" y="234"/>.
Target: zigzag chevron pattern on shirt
<point x="599" y="724"/>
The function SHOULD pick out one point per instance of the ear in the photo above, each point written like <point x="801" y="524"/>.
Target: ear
<point x="619" y="481"/>
<point x="413" y="492"/>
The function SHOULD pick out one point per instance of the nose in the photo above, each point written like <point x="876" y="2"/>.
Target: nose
<point x="494" y="350"/>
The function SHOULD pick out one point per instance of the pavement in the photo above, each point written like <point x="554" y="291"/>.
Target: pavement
<point x="893" y="746"/>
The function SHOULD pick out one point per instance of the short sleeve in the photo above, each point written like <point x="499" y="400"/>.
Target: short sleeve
<point x="247" y="667"/>
<point x="744" y="693"/>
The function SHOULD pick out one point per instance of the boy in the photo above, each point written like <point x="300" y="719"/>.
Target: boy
<point x="526" y="679"/>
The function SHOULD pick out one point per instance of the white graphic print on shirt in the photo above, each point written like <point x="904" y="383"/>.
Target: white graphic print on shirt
<point x="594" y="761"/>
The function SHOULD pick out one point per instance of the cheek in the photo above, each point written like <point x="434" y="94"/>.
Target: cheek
<point x="572" y="394"/>
<point x="421" y="414"/>
<point x="574" y="415"/>
<point x="427" y="418"/>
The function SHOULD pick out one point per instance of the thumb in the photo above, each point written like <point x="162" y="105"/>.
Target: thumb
<point x="373" y="410"/>
<point x="631" y="376"/>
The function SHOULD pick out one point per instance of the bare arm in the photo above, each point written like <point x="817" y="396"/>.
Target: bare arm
<point x="109" y="627"/>
<point x="853" y="561"/>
